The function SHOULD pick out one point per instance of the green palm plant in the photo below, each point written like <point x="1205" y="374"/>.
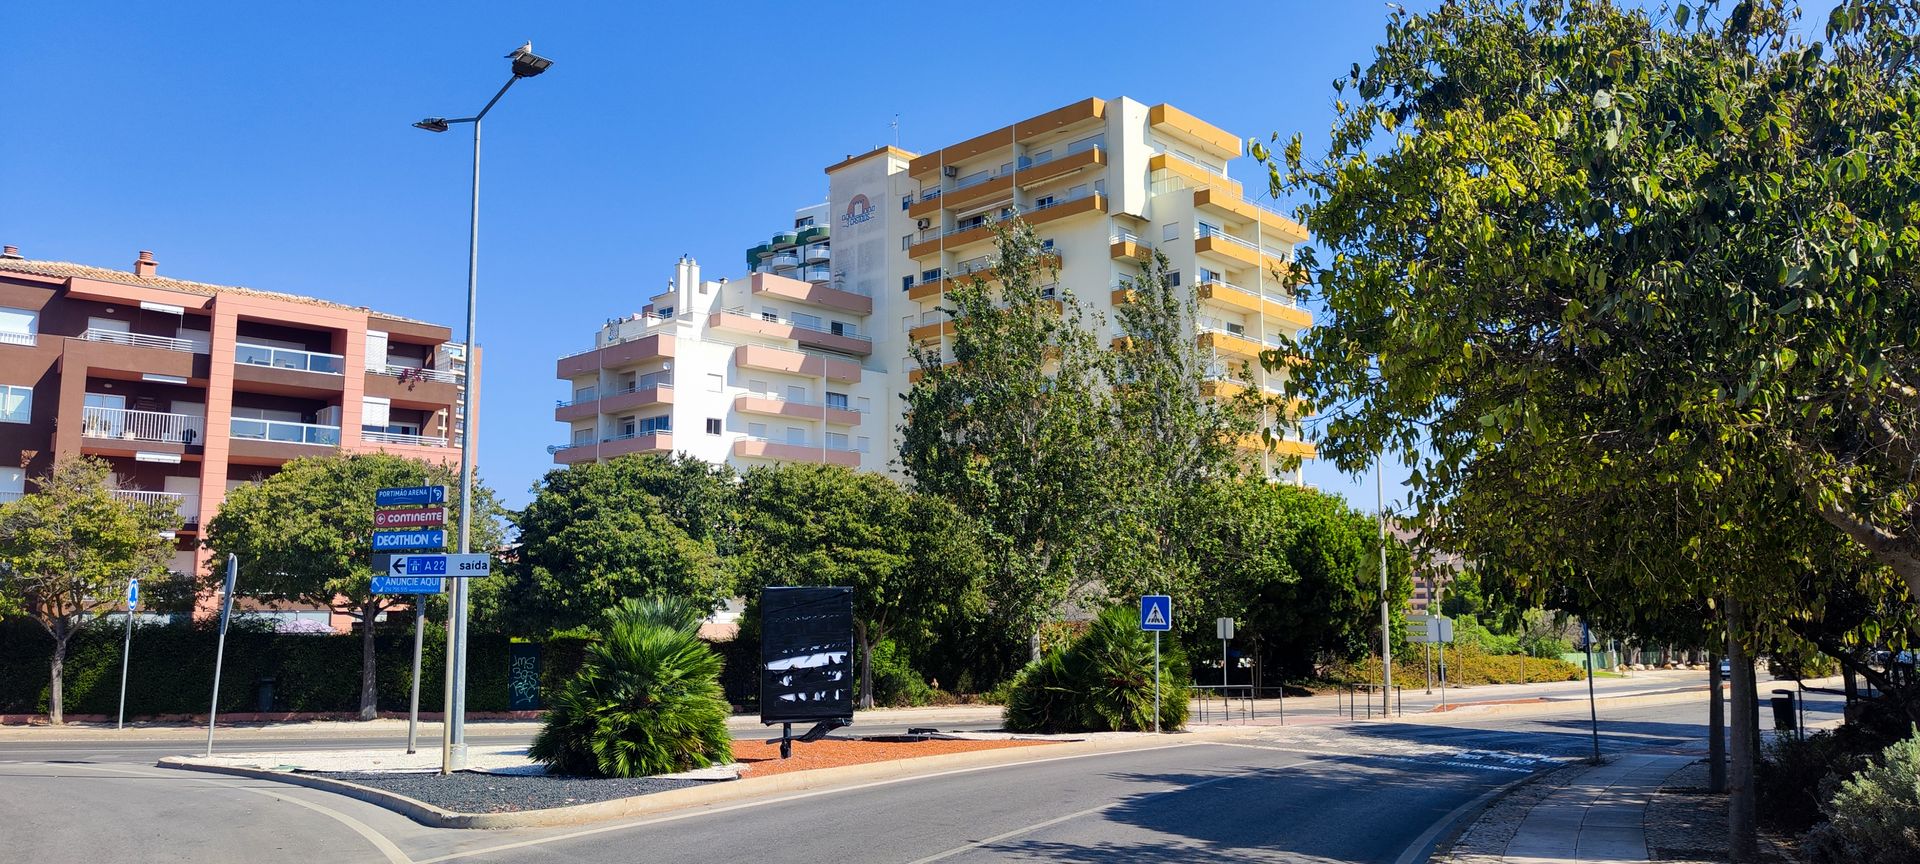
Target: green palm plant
<point x="647" y="699"/>
<point x="1101" y="682"/>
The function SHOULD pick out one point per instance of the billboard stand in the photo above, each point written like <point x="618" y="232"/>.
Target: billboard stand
<point x="806" y="661"/>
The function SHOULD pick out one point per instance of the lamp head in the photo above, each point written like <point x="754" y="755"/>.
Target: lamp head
<point x="527" y="64"/>
<point x="432" y="124"/>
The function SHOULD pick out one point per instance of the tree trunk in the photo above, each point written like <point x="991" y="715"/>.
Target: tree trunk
<point x="1033" y="644"/>
<point x="1716" y="728"/>
<point x="1742" y="843"/>
<point x="368" y="698"/>
<point x="866" y="663"/>
<point x="56" y="696"/>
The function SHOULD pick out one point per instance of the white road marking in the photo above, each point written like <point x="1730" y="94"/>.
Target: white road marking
<point x="708" y="811"/>
<point x="1107" y="806"/>
<point x="379" y="840"/>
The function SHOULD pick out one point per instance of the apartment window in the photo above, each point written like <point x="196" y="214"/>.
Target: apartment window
<point x="1173" y="278"/>
<point x="837" y="441"/>
<point x="583" y="435"/>
<point x="17" y="326"/>
<point x="1171" y="233"/>
<point x="757" y="430"/>
<point x="906" y="201"/>
<point x="663" y="312"/>
<point x="16" y="404"/>
<point x="1099" y="187"/>
<point x="758" y="386"/>
<point x="583" y="394"/>
<point x="930" y="275"/>
<point x="796" y="435"/>
<point x="1042" y="156"/>
<point x="864" y="444"/>
<point x="796" y="393"/>
<point x="837" y="400"/>
<point x="651" y="425"/>
<point x="842" y="328"/>
<point x="1043" y="202"/>
<point x="626" y="426"/>
<point x="1236" y="329"/>
<point x="906" y="324"/>
<point x="13" y="483"/>
<point x="770" y="315"/>
<point x="713" y="425"/>
<point x="906" y="283"/>
<point x="716" y="382"/>
<point x="905" y="242"/>
<point x="863" y="405"/>
<point x="810" y="322"/>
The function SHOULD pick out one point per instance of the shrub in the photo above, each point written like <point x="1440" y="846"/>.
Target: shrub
<point x="1101" y="681"/>
<point x="1787" y="778"/>
<point x="1466" y="665"/>
<point x="895" y="684"/>
<point x="1874" y="816"/>
<point x="647" y="700"/>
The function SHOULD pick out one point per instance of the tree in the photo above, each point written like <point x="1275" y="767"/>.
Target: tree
<point x="1180" y="421"/>
<point x="68" y="549"/>
<point x="1297" y="569"/>
<point x="631" y="527"/>
<point x="306" y="532"/>
<point x="910" y="559"/>
<point x="1013" y="432"/>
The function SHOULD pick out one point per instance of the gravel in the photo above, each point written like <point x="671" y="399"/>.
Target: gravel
<point x="473" y="792"/>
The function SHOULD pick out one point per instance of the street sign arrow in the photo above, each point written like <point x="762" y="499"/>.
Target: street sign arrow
<point x="454" y="566"/>
<point x="404" y="496"/>
<point x="133" y="593"/>
<point x="426" y="538"/>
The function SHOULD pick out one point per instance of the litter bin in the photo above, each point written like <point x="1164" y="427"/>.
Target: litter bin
<point x="265" y="697"/>
<point x="1783" y="714"/>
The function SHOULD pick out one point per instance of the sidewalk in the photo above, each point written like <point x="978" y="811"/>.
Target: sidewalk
<point x="1578" y="815"/>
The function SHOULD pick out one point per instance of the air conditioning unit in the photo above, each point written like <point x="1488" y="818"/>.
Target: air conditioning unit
<point x="923" y="224"/>
<point x="951" y="170"/>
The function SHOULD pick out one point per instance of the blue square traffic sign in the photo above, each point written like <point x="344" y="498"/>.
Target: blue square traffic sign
<point x="1156" y="612"/>
<point x="402" y="496"/>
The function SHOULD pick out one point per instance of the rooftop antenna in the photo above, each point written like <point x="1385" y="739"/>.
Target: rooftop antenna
<point x="896" y="130"/>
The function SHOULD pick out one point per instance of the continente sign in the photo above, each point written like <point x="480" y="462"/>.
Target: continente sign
<point x="858" y="210"/>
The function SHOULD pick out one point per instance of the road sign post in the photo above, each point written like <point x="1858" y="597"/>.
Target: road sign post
<point x="126" y="651"/>
<point x="220" y="652"/>
<point x="402" y="517"/>
<point x="1156" y="616"/>
<point x="1223" y="628"/>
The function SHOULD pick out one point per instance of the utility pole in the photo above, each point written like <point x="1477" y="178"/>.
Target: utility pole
<point x="1386" y="628"/>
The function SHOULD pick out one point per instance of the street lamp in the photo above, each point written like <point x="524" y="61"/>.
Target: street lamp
<point x="453" y="746"/>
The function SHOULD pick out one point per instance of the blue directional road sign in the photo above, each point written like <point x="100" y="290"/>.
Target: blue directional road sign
<point x="403" y="496"/>
<point x="406" y="585"/>
<point x="133" y="593"/>
<point x="426" y="538"/>
<point x="1156" y="612"/>
<point x="457" y="566"/>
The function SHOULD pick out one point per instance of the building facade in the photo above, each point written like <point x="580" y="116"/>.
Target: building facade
<point x="190" y="389"/>
<point x="807" y="359"/>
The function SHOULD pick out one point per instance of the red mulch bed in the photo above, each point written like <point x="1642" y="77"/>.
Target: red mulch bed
<point x="763" y="759"/>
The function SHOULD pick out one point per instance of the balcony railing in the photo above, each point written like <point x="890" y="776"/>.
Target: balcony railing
<point x="187" y="505"/>
<point x="137" y="340"/>
<point x="8" y="337"/>
<point x="784" y="261"/>
<point x="402" y="438"/>
<point x="651" y="379"/>
<point x="394" y="371"/>
<point x="286" y="432"/>
<point x="122" y="423"/>
<point x="1129" y="237"/>
<point x="289" y="358"/>
<point x="810" y="445"/>
<point x="9" y="496"/>
<point x="846" y="332"/>
<point x="842" y="406"/>
<point x="1211" y="169"/>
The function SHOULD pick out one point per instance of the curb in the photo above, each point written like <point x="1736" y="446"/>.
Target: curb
<point x="1483" y="709"/>
<point x="817" y="781"/>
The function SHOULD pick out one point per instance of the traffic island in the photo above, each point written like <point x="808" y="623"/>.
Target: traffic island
<point x="504" y="790"/>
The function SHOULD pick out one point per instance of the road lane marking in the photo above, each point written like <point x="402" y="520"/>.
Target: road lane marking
<point x="709" y="811"/>
<point x="367" y="832"/>
<point x="977" y="844"/>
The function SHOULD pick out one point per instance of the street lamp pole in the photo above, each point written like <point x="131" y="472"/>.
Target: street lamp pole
<point x="453" y="743"/>
<point x="1386" y="627"/>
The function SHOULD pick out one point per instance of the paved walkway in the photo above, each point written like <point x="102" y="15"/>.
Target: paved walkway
<point x="1596" y="818"/>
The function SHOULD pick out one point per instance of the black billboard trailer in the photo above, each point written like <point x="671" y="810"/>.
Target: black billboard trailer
<point x="806" y="661"/>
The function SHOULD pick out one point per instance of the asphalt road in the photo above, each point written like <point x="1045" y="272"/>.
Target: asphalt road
<point x="1368" y="792"/>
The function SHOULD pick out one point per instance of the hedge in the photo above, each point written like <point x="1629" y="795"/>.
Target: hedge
<point x="172" y="669"/>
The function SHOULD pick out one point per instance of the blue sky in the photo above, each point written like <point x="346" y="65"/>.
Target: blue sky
<point x="269" y="144"/>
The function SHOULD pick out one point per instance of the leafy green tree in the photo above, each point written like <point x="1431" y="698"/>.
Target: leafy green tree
<point x="306" y="532"/>
<point x="910" y="559"/>
<point x="630" y="527"/>
<point x="1298" y="570"/>
<point x="647" y="699"/>
<point x="1170" y="436"/>
<point x="68" y="549"/>
<point x="1013" y="432"/>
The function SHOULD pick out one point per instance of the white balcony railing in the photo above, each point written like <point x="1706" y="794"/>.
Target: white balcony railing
<point x="9" y="496"/>
<point x="1129" y="237"/>
<point x="1204" y="230"/>
<point x="137" y="340"/>
<point x="396" y="371"/>
<point x="810" y="445"/>
<point x="1211" y="169"/>
<point x="846" y="332"/>
<point x="187" y="505"/>
<point x="402" y="438"/>
<point x="289" y="358"/>
<point x="9" y="337"/>
<point x="122" y="423"/>
<point x="286" y="432"/>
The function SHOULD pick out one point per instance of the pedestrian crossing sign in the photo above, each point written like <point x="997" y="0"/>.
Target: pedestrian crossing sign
<point x="1156" y="612"/>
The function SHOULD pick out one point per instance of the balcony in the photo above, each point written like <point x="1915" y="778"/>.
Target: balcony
<point x="818" y="254"/>
<point x="121" y="424"/>
<point x="615" y="355"/>
<point x="818" y="274"/>
<point x="811" y="294"/>
<point x="285" y="432"/>
<point x="1127" y="245"/>
<point x="762" y="448"/>
<point x="1273" y="225"/>
<point x="415" y="373"/>
<point x="784" y="261"/>
<point x="403" y="439"/>
<point x="1063" y="208"/>
<point x="188" y="506"/>
<point x="414" y="387"/>
<point x="1173" y="122"/>
<point x="607" y="448"/>
<point x="137" y="340"/>
<point x="1230" y="344"/>
<point x="289" y="358"/>
<point x="980" y="266"/>
<point x="796" y="363"/>
<point x="773" y="406"/>
<point x="1191" y="174"/>
<point x="738" y="319"/>
<point x="10" y="337"/>
<point x="652" y="389"/>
